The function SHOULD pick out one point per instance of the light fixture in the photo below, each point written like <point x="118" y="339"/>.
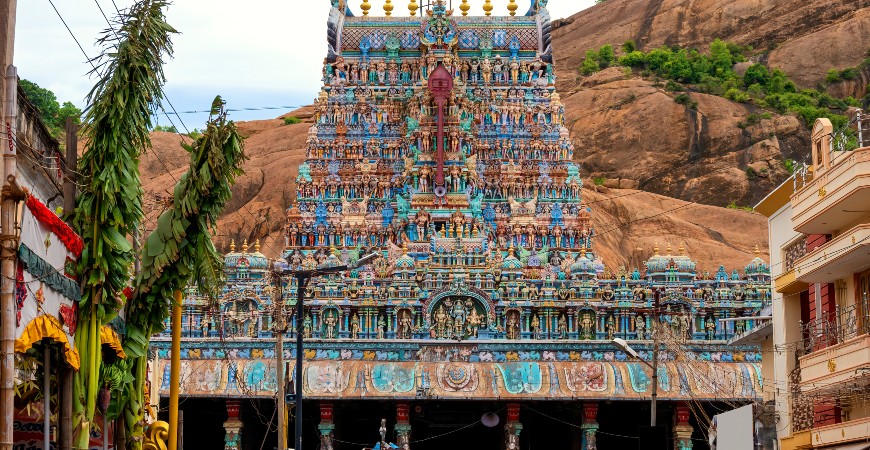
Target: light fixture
<point x="489" y="420"/>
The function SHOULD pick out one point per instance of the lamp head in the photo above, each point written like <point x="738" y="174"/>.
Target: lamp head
<point x="365" y="260"/>
<point x="619" y="342"/>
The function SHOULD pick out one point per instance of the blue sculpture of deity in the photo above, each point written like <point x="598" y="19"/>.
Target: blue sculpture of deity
<point x="489" y="215"/>
<point x="320" y="213"/>
<point x="387" y="214"/>
<point x="556" y="216"/>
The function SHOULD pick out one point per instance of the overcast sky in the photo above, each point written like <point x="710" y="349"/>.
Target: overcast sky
<point x="257" y="53"/>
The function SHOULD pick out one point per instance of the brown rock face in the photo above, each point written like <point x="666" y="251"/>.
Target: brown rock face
<point x="629" y="132"/>
<point x="256" y="210"/>
<point x="806" y="37"/>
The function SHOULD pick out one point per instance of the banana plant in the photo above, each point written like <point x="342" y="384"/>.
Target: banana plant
<point x="180" y="250"/>
<point x="116" y="131"/>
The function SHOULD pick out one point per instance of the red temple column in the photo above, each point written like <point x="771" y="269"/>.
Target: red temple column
<point x="403" y="426"/>
<point x="326" y="425"/>
<point x="682" y="428"/>
<point x="589" y="426"/>
<point x="513" y="427"/>
<point x="233" y="426"/>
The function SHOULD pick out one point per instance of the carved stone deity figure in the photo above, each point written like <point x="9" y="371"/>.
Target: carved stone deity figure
<point x="486" y="70"/>
<point x="586" y="325"/>
<point x="406" y="324"/>
<point x="382" y="326"/>
<point x="474" y="322"/>
<point x="710" y="326"/>
<point x="354" y="326"/>
<point x="685" y="327"/>
<point x="513" y="326"/>
<point x="640" y="327"/>
<point x="563" y="327"/>
<point x="536" y="326"/>
<point x="441" y="322"/>
<point x="330" y="320"/>
<point x="610" y="327"/>
<point x="306" y="326"/>
<point x="383" y="432"/>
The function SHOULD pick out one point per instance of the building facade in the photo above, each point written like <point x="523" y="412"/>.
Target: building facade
<point x="439" y="143"/>
<point x="821" y="316"/>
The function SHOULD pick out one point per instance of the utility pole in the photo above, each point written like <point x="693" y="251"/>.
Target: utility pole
<point x="279" y="327"/>
<point x="655" y="358"/>
<point x="302" y="279"/>
<point x="65" y="427"/>
<point x="9" y="97"/>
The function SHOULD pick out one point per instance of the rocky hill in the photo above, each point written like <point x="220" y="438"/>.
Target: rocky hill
<point x="628" y="130"/>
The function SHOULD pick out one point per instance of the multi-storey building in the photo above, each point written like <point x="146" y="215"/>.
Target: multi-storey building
<point x="439" y="143"/>
<point x="819" y="238"/>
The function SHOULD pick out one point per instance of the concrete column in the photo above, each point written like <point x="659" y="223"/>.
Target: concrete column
<point x="326" y="426"/>
<point x="403" y="426"/>
<point x="513" y="427"/>
<point x="589" y="426"/>
<point x="682" y="429"/>
<point x="233" y="426"/>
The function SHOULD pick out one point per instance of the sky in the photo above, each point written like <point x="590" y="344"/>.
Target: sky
<point x="268" y="53"/>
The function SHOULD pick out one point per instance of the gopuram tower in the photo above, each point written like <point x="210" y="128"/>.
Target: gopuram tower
<point x="439" y="142"/>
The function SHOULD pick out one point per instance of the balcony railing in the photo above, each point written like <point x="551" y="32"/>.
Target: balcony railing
<point x="795" y="251"/>
<point x="851" y="136"/>
<point x="836" y="327"/>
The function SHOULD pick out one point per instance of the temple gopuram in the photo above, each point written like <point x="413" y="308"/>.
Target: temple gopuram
<point x="439" y="142"/>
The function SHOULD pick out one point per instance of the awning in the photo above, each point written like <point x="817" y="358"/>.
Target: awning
<point x="110" y="338"/>
<point x="47" y="327"/>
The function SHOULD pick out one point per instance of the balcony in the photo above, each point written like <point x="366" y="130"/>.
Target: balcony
<point x="836" y="197"/>
<point x="852" y="431"/>
<point x="836" y="347"/>
<point x="836" y="259"/>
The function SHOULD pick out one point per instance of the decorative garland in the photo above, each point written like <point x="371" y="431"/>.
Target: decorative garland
<point x="70" y="239"/>
<point x="51" y="276"/>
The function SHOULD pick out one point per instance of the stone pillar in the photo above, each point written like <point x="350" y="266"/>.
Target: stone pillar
<point x="233" y="426"/>
<point x="326" y="426"/>
<point x="682" y="428"/>
<point x="513" y="427"/>
<point x="403" y="426"/>
<point x="589" y="426"/>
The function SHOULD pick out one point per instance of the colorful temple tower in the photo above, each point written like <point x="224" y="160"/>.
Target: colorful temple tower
<point x="440" y="142"/>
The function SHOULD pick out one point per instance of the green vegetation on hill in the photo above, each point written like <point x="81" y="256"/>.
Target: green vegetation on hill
<point x="52" y="113"/>
<point x="714" y="73"/>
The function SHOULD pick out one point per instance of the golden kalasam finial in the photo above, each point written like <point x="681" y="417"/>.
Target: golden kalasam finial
<point x="245" y="246"/>
<point x="682" y="249"/>
<point x="365" y="7"/>
<point x="233" y="246"/>
<point x="413" y="7"/>
<point x="656" y="249"/>
<point x="487" y="7"/>
<point x="512" y="7"/>
<point x="757" y="251"/>
<point x="668" y="249"/>
<point x="464" y="7"/>
<point x="257" y="246"/>
<point x="388" y="7"/>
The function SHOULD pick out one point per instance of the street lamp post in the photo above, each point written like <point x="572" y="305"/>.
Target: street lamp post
<point x="302" y="279"/>
<point x="619" y="342"/>
<point x="655" y="358"/>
